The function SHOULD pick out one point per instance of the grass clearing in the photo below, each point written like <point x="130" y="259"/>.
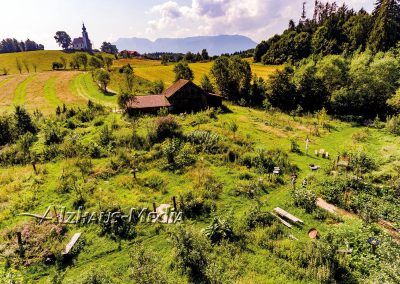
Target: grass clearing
<point x="21" y="90"/>
<point x="84" y="86"/>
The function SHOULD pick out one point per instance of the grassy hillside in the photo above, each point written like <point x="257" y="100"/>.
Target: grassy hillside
<point x="104" y="181"/>
<point x="42" y="58"/>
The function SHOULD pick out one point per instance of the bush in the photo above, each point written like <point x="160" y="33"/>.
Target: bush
<point x="193" y="206"/>
<point x="96" y="277"/>
<point x="361" y="162"/>
<point x="219" y="230"/>
<point x="393" y="125"/>
<point x="106" y="136"/>
<point x="154" y="182"/>
<point x="361" y="136"/>
<point x="305" y="199"/>
<point x="256" y="218"/>
<point x="52" y="133"/>
<point x="190" y="251"/>
<point x="167" y="127"/>
<point x="57" y="65"/>
<point x="6" y="129"/>
<point x="206" y="141"/>
<point x="144" y="268"/>
<point x="119" y="228"/>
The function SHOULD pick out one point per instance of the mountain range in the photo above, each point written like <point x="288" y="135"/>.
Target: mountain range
<point x="215" y="45"/>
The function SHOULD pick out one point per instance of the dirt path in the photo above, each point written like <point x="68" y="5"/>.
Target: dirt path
<point x="334" y="209"/>
<point x="387" y="226"/>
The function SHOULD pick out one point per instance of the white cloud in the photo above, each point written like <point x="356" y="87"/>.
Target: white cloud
<point x="258" y="19"/>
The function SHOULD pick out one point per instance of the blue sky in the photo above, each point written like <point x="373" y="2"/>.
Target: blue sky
<point x="109" y="20"/>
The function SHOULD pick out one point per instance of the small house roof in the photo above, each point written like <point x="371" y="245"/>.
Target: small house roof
<point x="150" y="101"/>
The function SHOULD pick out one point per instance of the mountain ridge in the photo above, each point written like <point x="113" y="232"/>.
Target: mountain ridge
<point x="215" y="45"/>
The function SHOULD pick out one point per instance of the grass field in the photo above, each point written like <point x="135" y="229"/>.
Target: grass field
<point x="45" y="90"/>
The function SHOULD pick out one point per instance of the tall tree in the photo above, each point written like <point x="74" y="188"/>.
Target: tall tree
<point x="183" y="71"/>
<point x="232" y="77"/>
<point x="109" y="48"/>
<point x="386" y="28"/>
<point x="63" y="39"/>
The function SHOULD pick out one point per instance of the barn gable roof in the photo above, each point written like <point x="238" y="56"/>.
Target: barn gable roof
<point x="150" y="101"/>
<point x="171" y="91"/>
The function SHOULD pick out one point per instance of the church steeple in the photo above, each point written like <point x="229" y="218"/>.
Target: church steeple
<point x="87" y="45"/>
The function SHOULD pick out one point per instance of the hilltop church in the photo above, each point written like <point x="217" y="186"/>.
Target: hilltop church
<point x="82" y="43"/>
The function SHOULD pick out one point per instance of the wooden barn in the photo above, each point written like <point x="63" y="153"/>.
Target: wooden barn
<point x="182" y="97"/>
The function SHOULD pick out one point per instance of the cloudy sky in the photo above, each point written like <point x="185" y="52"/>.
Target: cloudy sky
<point x="109" y="20"/>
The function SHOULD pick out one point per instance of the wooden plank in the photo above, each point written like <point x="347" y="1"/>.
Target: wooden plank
<point x="283" y="221"/>
<point x="71" y="243"/>
<point x="287" y="215"/>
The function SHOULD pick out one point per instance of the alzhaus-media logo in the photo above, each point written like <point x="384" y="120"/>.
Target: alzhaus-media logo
<point x="59" y="215"/>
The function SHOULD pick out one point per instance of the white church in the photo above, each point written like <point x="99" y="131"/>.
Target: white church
<point x="82" y="43"/>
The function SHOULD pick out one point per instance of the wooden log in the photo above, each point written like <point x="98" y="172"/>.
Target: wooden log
<point x="71" y="243"/>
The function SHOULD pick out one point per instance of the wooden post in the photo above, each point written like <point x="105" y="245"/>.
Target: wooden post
<point x="21" y="248"/>
<point x="174" y="202"/>
<point x="34" y="166"/>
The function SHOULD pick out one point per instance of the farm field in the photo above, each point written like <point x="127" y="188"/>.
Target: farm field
<point x="45" y="90"/>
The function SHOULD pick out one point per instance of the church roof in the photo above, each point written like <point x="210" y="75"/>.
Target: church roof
<point x="77" y="41"/>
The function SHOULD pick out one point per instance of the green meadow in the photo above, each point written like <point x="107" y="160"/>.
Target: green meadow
<point x="217" y="164"/>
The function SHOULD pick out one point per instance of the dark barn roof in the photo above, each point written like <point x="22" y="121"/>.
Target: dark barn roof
<point x="167" y="99"/>
<point x="176" y="87"/>
<point x="150" y="101"/>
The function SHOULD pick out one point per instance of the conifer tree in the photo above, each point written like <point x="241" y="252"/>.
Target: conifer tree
<point x="386" y="28"/>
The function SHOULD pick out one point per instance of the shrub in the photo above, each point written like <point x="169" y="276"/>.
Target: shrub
<point x="26" y="141"/>
<point x="106" y="136"/>
<point x="68" y="180"/>
<point x="118" y="229"/>
<point x="193" y="206"/>
<point x="12" y="155"/>
<point x="57" y="65"/>
<point x="361" y="162"/>
<point x="23" y="121"/>
<point x="305" y="199"/>
<point x="190" y="251"/>
<point x="167" y="127"/>
<point x="219" y="230"/>
<point x="256" y="218"/>
<point x="95" y="151"/>
<point x="154" y="182"/>
<point x="206" y="141"/>
<point x="393" y="125"/>
<point x="6" y="129"/>
<point x="294" y="147"/>
<point x="52" y="133"/>
<point x="361" y="136"/>
<point x="144" y="268"/>
<point x="206" y="183"/>
<point x="96" y="277"/>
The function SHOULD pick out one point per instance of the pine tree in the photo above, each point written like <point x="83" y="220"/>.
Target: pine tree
<point x="386" y="29"/>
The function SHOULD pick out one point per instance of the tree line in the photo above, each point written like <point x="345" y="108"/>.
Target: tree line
<point x="334" y="30"/>
<point x="10" y="45"/>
